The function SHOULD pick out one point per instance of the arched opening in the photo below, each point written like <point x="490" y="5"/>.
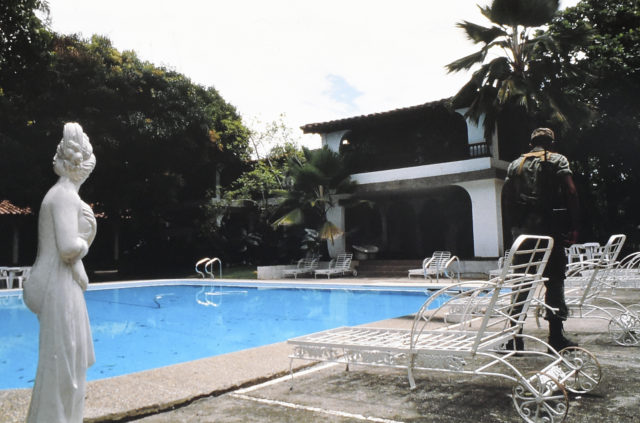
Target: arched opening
<point x="401" y="230"/>
<point x="414" y="225"/>
<point x="446" y="223"/>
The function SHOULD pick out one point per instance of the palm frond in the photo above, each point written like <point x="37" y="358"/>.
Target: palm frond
<point x="345" y="186"/>
<point x="294" y="217"/>
<point x="464" y="94"/>
<point x="499" y="69"/>
<point x="330" y="231"/>
<point x="529" y="13"/>
<point x="467" y="62"/>
<point x="308" y="178"/>
<point x="481" y="34"/>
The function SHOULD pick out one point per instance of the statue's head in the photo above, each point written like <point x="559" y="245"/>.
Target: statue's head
<point x="74" y="156"/>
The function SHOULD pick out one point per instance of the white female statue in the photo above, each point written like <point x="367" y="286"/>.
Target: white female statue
<point x="55" y="288"/>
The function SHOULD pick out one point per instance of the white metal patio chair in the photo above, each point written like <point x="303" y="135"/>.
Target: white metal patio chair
<point x="305" y="266"/>
<point x="15" y="273"/>
<point x="21" y="275"/>
<point x="4" y="279"/>
<point x="471" y="346"/>
<point x="608" y="253"/>
<point x="440" y="263"/>
<point x="340" y="266"/>
<point x="574" y="253"/>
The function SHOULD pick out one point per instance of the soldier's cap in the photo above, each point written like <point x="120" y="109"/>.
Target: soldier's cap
<point x="543" y="132"/>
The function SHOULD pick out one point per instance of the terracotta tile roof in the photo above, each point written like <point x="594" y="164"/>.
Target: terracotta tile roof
<point x="347" y="123"/>
<point x="6" y="207"/>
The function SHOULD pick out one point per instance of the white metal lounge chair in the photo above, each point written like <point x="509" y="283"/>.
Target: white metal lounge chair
<point x="497" y="272"/>
<point x="440" y="263"/>
<point x="627" y="272"/>
<point x="305" y="266"/>
<point x="585" y="289"/>
<point x="340" y="266"/>
<point x="472" y="346"/>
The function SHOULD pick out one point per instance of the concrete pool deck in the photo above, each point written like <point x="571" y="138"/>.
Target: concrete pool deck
<point x="227" y="388"/>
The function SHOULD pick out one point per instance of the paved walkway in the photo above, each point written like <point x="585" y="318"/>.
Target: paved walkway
<point x="253" y="386"/>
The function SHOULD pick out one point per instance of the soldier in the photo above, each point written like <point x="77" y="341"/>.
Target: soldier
<point x="540" y="198"/>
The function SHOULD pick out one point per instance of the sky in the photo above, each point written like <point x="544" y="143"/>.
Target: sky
<point x="308" y="61"/>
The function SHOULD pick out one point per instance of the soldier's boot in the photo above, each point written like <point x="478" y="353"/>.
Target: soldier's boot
<point x="557" y="340"/>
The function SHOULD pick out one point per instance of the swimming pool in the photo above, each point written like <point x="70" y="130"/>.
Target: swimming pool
<point x="148" y="325"/>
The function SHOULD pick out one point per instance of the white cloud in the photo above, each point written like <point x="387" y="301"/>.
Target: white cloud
<point x="292" y="56"/>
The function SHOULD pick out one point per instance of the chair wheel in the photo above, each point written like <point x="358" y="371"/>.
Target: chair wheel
<point x="582" y="372"/>
<point x="624" y="329"/>
<point x="540" y="398"/>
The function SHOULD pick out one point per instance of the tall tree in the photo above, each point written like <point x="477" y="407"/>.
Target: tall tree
<point x="518" y="76"/>
<point x="25" y="56"/>
<point x="23" y="36"/>
<point x="158" y="137"/>
<point x="606" y="150"/>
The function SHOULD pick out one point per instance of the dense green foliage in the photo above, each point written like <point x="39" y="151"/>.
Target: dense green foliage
<point x="581" y="76"/>
<point x="158" y="137"/>
<point x="238" y="223"/>
<point x="606" y="149"/>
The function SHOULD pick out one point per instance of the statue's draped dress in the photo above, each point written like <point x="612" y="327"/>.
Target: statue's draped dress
<point x="66" y="346"/>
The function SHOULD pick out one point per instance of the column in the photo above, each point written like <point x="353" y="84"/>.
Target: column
<point x="335" y="215"/>
<point x="486" y="211"/>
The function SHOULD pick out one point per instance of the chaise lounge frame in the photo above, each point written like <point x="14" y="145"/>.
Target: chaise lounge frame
<point x="585" y="296"/>
<point x="440" y="263"/>
<point x="340" y="266"/>
<point x="305" y="266"/>
<point x="473" y="345"/>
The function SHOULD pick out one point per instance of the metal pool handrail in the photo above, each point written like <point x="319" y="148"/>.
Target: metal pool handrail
<point x="198" y="263"/>
<point x="209" y="266"/>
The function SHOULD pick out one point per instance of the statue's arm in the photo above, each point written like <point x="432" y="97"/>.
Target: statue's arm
<point x="89" y="217"/>
<point x="71" y="246"/>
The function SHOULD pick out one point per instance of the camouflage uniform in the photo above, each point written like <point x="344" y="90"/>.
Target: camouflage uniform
<point x="531" y="211"/>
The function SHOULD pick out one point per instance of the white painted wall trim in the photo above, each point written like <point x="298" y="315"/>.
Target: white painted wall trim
<point x="425" y="171"/>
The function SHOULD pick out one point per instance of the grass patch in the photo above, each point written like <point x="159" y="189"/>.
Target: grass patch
<point x="240" y="272"/>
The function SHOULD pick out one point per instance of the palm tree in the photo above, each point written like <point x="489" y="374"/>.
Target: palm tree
<point x="317" y="184"/>
<point x="528" y="71"/>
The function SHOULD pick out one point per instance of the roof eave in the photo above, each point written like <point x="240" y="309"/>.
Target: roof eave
<point x="348" y="123"/>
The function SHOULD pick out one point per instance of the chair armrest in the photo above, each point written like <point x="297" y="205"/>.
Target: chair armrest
<point x="451" y="260"/>
<point x="427" y="262"/>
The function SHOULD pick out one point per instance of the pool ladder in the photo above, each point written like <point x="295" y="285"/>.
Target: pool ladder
<point x="208" y="266"/>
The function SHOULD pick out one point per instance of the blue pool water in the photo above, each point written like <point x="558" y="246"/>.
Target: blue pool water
<point x="140" y="328"/>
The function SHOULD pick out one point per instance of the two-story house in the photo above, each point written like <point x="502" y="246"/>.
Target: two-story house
<point x="431" y="180"/>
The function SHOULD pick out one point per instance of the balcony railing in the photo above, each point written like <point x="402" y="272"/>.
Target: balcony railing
<point x="480" y="149"/>
<point x="359" y="163"/>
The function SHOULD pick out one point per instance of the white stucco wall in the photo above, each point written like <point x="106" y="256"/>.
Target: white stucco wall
<point x="333" y="139"/>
